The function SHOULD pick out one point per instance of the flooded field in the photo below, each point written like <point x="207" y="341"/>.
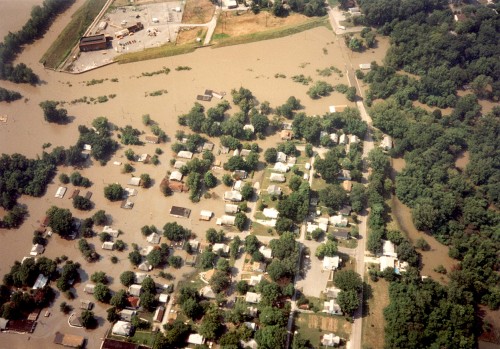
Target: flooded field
<point x="438" y="253"/>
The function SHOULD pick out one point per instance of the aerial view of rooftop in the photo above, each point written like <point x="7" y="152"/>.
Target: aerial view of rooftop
<point x="264" y="174"/>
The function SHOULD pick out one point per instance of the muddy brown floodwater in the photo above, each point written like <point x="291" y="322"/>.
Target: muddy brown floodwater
<point x="438" y="253"/>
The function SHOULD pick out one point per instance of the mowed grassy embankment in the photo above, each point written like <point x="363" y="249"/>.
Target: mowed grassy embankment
<point x="69" y="37"/>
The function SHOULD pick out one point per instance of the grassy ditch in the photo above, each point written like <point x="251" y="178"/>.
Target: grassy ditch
<point x="167" y="50"/>
<point x="62" y="46"/>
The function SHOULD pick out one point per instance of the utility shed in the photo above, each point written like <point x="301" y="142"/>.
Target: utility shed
<point x="93" y="43"/>
<point x="180" y="212"/>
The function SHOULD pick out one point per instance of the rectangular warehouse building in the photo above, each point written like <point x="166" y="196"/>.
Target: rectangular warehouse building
<point x="93" y="43"/>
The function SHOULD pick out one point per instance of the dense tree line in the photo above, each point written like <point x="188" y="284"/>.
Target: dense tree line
<point x="8" y="95"/>
<point x="39" y="22"/>
<point x="456" y="205"/>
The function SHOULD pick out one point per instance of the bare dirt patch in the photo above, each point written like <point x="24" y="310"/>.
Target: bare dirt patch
<point x="240" y="23"/>
<point x="189" y="35"/>
<point x="198" y="11"/>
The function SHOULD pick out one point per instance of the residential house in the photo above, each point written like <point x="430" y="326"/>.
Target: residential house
<point x="339" y="221"/>
<point x="133" y="302"/>
<point x="252" y="297"/>
<point x="334" y="138"/>
<point x="337" y="108"/>
<point x="332" y="292"/>
<point x="277" y="177"/>
<point x="240" y="174"/>
<point x="253" y="311"/>
<point x="140" y="277"/>
<point x="389" y="249"/>
<point x="330" y="340"/>
<point x="331" y="307"/>
<point x="60" y="192"/>
<point x="233" y="196"/>
<point x="347" y="186"/>
<point x="266" y="252"/>
<point x="342" y="139"/>
<point x="245" y="152"/>
<point x="134" y="181"/>
<point x="130" y="191"/>
<point x="179" y="164"/>
<point x="175" y="176"/>
<point x="113" y="232"/>
<point x="195" y="245"/>
<point x="207" y="292"/>
<point x="231" y="208"/>
<point x="163" y="298"/>
<point x="386" y="143"/>
<point x="206" y="215"/>
<point x="345" y="175"/>
<point x="122" y="328"/>
<point x="127" y="314"/>
<point x="226" y="220"/>
<point x="69" y="340"/>
<point x="180" y="212"/>
<point x="387" y="262"/>
<point x="89" y="288"/>
<point x="345" y="210"/>
<point x="40" y="282"/>
<point x="145" y="266"/>
<point x="152" y="139"/>
<point x="331" y="263"/>
<point x="353" y="139"/>
<point x="37" y="249"/>
<point x="259" y="267"/>
<point x="273" y="189"/>
<point x="238" y="185"/>
<point x="218" y="246"/>
<point x="159" y="313"/>
<point x="249" y="128"/>
<point x="286" y="135"/>
<point x="208" y="146"/>
<point x="281" y="157"/>
<point x="341" y="234"/>
<point x="154" y="238"/>
<point x="255" y="280"/>
<point x="184" y="154"/>
<point x="250" y="325"/>
<point x="280" y="167"/>
<point x="236" y="152"/>
<point x="196" y="339"/>
<point x="135" y="290"/>
<point x="108" y="245"/>
<point x="144" y="158"/>
<point x="270" y="213"/>
<point x="365" y="66"/>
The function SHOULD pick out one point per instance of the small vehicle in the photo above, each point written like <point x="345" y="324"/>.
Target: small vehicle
<point x="47" y="314"/>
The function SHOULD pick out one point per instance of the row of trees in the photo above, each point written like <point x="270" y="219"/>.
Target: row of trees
<point x="8" y="95"/>
<point x="13" y="43"/>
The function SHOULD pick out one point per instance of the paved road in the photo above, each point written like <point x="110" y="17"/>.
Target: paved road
<point x="211" y="27"/>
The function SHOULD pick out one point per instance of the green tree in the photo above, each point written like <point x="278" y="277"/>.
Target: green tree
<point x="220" y="281"/>
<point x="213" y="236"/>
<point x="210" y="180"/>
<point x="60" y="220"/>
<point x="348" y="301"/>
<point x="100" y="218"/>
<point x="102" y="293"/>
<point x="99" y="277"/>
<point x="328" y="249"/>
<point x="271" y="337"/>
<point x="52" y="114"/>
<point x="82" y="203"/>
<point x="127" y="278"/>
<point x="175" y="232"/>
<point x="333" y="196"/>
<point x="114" y="192"/>
<point x="135" y="257"/>
<point x="146" y="180"/>
<point x="119" y="299"/>
<point x="88" y="319"/>
<point x="347" y="280"/>
<point x="240" y="221"/>
<point x="270" y="155"/>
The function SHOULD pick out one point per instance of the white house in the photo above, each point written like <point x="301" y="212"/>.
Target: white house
<point x="134" y="181"/>
<point x="196" y="339"/>
<point x="281" y="157"/>
<point x="154" y="238"/>
<point x="135" y="290"/>
<point x="255" y="279"/>
<point x="389" y="249"/>
<point x="386" y="143"/>
<point x="113" y="232"/>
<point x="179" y="164"/>
<point x="277" y="177"/>
<point x="386" y="262"/>
<point x="271" y="212"/>
<point x="60" y="192"/>
<point x="37" y="249"/>
<point x="140" y="277"/>
<point x="122" y="328"/>
<point x="233" y="196"/>
<point x="353" y="139"/>
<point x="238" y="185"/>
<point x="280" y="167"/>
<point x="226" y="220"/>
<point x="175" y="176"/>
<point x="127" y="314"/>
<point x="145" y="266"/>
<point x="342" y="139"/>
<point x="89" y="288"/>
<point x="206" y="215"/>
<point x="108" y="245"/>
<point x="365" y="66"/>
<point x="266" y="251"/>
<point x="273" y="189"/>
<point x="334" y="137"/>
<point x="249" y="128"/>
<point x="252" y="297"/>
<point x="331" y="307"/>
<point x="184" y="154"/>
<point x="330" y="340"/>
<point x="331" y="263"/>
<point x="345" y="175"/>
<point x="218" y="246"/>
<point x="231" y="208"/>
<point x="339" y="221"/>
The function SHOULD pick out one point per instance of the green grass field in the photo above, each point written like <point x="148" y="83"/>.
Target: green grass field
<point x="62" y="46"/>
<point x="221" y="41"/>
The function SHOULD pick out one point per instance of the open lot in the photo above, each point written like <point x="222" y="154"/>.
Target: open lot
<point x="312" y="327"/>
<point x="373" y="319"/>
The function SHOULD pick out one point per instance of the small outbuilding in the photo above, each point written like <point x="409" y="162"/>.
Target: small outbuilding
<point x="277" y="177"/>
<point x="206" y="215"/>
<point x="184" y="154"/>
<point x="108" y="245"/>
<point x="122" y="328"/>
<point x="180" y="212"/>
<point x="134" y="181"/>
